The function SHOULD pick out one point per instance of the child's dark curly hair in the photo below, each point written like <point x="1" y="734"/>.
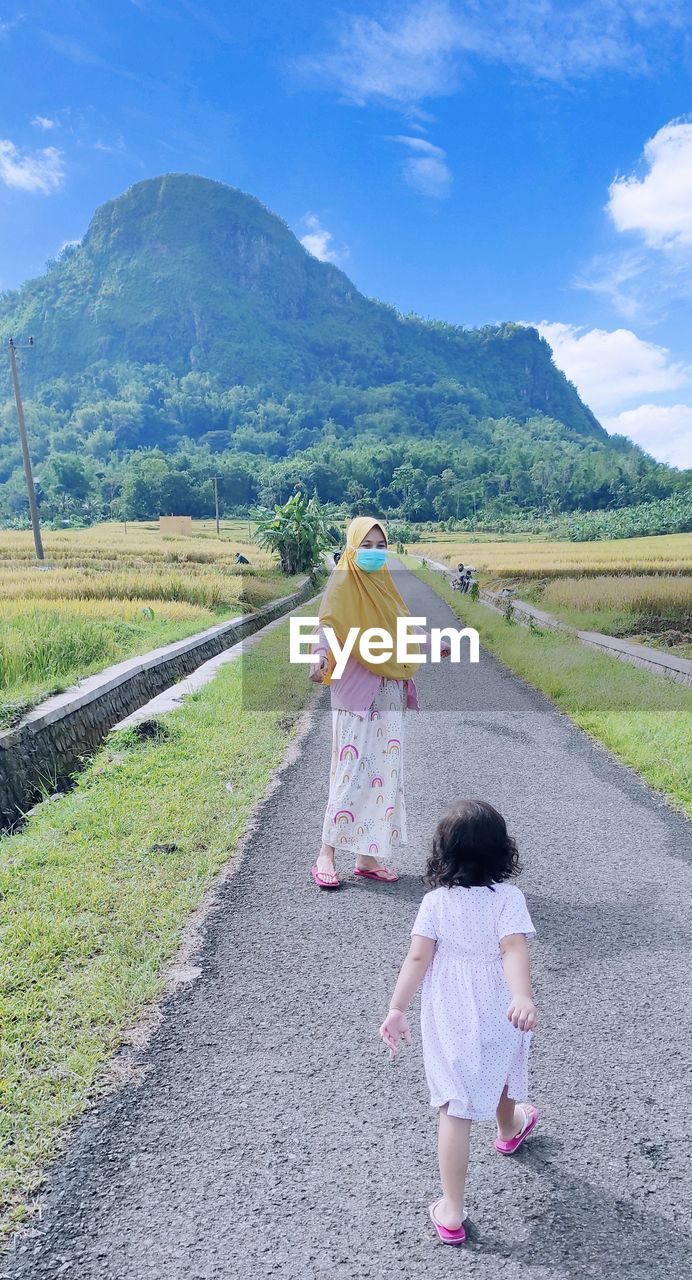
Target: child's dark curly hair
<point x="471" y="846"/>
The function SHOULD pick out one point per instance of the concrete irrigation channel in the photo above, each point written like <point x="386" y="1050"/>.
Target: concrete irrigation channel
<point x="52" y="740"/>
<point x="264" y="1132"/>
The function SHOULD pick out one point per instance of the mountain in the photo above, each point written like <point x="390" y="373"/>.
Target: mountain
<point x="193" y="275"/>
<point x="190" y="334"/>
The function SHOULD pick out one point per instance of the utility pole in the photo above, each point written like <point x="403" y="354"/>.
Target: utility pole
<point x="215" y="482"/>
<point x="26" y="456"/>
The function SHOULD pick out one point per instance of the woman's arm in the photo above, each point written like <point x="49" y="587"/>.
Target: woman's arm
<point x="319" y="651"/>
<point x="515" y="962"/>
<point x="445" y="646"/>
<point x="395" y="1026"/>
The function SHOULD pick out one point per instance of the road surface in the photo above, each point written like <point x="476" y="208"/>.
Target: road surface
<point x="272" y="1137"/>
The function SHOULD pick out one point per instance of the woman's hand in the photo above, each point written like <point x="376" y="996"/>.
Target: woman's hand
<point x="318" y="669"/>
<point x="522" y="1013"/>
<point x="395" y="1028"/>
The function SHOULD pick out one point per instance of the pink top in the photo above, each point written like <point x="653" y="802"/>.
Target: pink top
<point x="356" y="689"/>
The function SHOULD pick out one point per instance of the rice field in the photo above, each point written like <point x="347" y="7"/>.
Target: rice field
<point x="648" y="598"/>
<point x="635" y="587"/>
<point x="108" y="593"/>
<point x="525" y="559"/>
<point x="651" y="608"/>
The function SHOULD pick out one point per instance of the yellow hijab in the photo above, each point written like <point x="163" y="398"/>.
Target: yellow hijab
<point x="355" y="598"/>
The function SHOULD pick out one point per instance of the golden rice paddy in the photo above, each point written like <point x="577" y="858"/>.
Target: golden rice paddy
<point x="667" y="553"/>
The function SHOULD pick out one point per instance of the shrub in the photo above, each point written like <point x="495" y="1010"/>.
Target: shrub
<point x="404" y="533"/>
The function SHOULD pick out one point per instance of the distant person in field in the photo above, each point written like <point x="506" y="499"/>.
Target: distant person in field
<point x="241" y="559"/>
<point x="468" y="950"/>
<point x="337" y="557"/>
<point x="366" y="811"/>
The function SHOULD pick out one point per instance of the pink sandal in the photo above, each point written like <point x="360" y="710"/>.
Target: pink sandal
<point x="384" y="874"/>
<point x="323" y="884"/>
<point x="446" y="1236"/>
<point x="531" y="1118"/>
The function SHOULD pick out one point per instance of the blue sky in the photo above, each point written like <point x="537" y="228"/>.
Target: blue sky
<point x="527" y="160"/>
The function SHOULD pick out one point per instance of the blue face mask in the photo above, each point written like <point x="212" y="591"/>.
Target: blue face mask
<point x="371" y="558"/>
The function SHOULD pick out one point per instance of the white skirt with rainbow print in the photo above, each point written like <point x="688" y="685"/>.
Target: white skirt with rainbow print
<point x="366" y="813"/>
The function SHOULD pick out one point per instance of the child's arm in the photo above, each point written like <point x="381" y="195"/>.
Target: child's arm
<point x="515" y="962"/>
<point x="395" y="1026"/>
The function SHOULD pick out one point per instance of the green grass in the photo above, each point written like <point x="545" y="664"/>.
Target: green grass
<point x="645" y="720"/>
<point x="44" y="650"/>
<point x="91" y="915"/>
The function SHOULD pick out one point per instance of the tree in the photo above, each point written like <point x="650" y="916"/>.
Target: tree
<point x="298" y="531"/>
<point x="177" y="495"/>
<point x="66" y="485"/>
<point x="141" y="491"/>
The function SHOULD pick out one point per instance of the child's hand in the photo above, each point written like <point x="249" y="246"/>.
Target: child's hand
<point x="395" y="1028"/>
<point x="522" y="1013"/>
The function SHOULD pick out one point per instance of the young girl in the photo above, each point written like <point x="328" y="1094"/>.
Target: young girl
<point x="477" y="1011"/>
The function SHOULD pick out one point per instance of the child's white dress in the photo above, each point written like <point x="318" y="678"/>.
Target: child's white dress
<point x="470" y="1049"/>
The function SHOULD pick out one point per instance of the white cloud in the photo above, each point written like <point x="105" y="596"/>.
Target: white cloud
<point x="318" y="241"/>
<point x="418" y="144"/>
<point x="428" y="176"/>
<point x="426" y="170"/>
<point x="419" y="49"/>
<point x="42" y="171"/>
<point x="659" y="205"/>
<point x="43" y="122"/>
<point x="109" y="148"/>
<point x="403" y="60"/>
<point x="664" y="430"/>
<point x="73" y="50"/>
<point x="610" y="367"/>
<point x="654" y="204"/>
<point x="621" y="278"/>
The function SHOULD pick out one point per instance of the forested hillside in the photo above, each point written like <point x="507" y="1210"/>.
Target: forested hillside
<point x="190" y="334"/>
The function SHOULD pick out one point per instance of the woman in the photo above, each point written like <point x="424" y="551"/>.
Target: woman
<point x="366" y="812"/>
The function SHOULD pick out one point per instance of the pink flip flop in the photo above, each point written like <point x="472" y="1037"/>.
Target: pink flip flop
<point x="384" y="874"/>
<point x="323" y="884"/>
<point x="446" y="1236"/>
<point x="531" y="1118"/>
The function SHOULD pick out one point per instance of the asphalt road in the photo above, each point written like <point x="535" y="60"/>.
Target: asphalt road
<point x="272" y="1137"/>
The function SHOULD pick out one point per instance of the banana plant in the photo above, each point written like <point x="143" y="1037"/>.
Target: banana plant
<point x="298" y="531"/>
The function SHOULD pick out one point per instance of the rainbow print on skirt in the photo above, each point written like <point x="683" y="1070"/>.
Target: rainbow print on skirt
<point x="366" y="811"/>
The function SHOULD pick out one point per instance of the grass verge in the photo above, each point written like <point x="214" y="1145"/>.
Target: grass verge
<point x="92" y="910"/>
<point x="644" y="719"/>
